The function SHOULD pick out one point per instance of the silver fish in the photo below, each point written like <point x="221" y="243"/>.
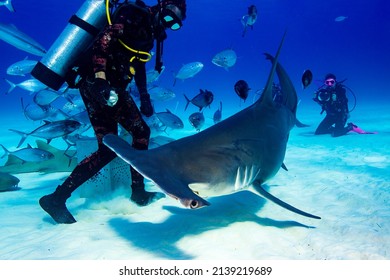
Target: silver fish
<point x="46" y="97"/>
<point x="59" y="163"/>
<point x="188" y="71"/>
<point x="225" y="59"/>
<point x="158" y="93"/>
<point x="21" y="68"/>
<point x="29" y="154"/>
<point x="153" y="75"/>
<point x="218" y="114"/>
<point x="168" y="119"/>
<point x="20" y="40"/>
<point x="197" y="120"/>
<point x="340" y="18"/>
<point x="31" y="85"/>
<point x="50" y="130"/>
<point x="203" y="99"/>
<point x="35" y="112"/>
<point x="76" y="105"/>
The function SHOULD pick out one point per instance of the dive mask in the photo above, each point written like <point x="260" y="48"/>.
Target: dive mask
<point x="330" y="82"/>
<point x="170" y="20"/>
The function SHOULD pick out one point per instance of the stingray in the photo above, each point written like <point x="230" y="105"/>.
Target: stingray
<point x="246" y="149"/>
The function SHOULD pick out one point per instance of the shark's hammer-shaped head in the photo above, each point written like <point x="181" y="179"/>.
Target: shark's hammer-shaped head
<point x="187" y="197"/>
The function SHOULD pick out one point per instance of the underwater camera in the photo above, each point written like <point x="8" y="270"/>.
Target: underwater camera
<point x="323" y="96"/>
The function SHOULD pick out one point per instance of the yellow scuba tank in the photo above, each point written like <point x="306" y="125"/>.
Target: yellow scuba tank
<point x="74" y="39"/>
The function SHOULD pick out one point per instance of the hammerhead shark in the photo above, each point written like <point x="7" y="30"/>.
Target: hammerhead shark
<point x="245" y="149"/>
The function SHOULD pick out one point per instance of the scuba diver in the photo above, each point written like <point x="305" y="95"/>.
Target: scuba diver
<point x="118" y="55"/>
<point x="333" y="99"/>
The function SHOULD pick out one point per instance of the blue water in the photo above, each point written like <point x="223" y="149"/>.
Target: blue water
<point x="344" y="180"/>
<point x="355" y="49"/>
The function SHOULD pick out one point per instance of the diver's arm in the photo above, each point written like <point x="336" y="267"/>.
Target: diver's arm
<point x="101" y="47"/>
<point x="140" y="76"/>
<point x="140" y="81"/>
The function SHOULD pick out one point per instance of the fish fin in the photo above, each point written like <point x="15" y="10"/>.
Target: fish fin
<point x="284" y="166"/>
<point x="289" y="96"/>
<point x="188" y="102"/>
<point x="9" y="6"/>
<point x="23" y="107"/>
<point x="12" y="160"/>
<point x="44" y="146"/>
<point x="21" y="133"/>
<point x="258" y="187"/>
<point x="12" y="86"/>
<point x="267" y="95"/>
<point x="6" y="152"/>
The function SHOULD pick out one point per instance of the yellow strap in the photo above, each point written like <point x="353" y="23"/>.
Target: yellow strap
<point x="148" y="55"/>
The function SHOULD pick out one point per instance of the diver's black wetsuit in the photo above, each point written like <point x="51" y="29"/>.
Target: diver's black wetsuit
<point x="335" y="104"/>
<point x="105" y="121"/>
<point x="133" y="24"/>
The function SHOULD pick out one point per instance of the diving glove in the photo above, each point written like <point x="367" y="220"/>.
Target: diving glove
<point x="146" y="105"/>
<point x="112" y="99"/>
<point x="101" y="91"/>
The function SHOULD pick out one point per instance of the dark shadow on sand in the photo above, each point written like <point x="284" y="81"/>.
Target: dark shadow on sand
<point x="161" y="238"/>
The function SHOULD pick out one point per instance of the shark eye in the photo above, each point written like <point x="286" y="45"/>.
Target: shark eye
<point x="194" y="204"/>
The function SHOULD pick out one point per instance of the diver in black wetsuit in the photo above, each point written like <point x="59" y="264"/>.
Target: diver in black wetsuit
<point x="117" y="55"/>
<point x="333" y="100"/>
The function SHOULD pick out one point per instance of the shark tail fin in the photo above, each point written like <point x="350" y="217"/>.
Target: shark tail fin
<point x="263" y="192"/>
<point x="23" y="134"/>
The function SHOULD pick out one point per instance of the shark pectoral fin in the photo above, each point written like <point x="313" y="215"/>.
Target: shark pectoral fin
<point x="257" y="186"/>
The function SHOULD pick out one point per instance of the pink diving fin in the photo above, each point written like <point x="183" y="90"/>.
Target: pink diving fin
<point x="357" y="129"/>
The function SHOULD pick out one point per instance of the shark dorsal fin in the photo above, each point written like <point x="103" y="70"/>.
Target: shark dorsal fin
<point x="267" y="92"/>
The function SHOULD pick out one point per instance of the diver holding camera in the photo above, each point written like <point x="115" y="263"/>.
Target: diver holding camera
<point x="333" y="99"/>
